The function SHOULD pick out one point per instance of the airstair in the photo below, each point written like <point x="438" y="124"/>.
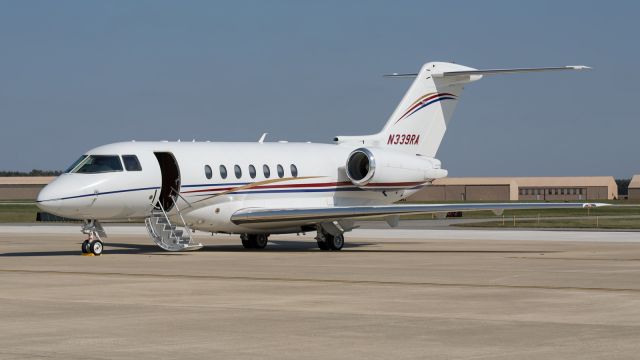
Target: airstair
<point x="167" y="235"/>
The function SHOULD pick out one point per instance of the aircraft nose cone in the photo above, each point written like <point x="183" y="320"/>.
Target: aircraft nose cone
<point x="59" y="198"/>
<point x="48" y="200"/>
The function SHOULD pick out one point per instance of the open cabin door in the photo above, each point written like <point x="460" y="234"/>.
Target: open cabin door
<point x="170" y="180"/>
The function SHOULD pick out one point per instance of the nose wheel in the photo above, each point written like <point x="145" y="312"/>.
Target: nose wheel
<point x="94" y="247"/>
<point x="93" y="244"/>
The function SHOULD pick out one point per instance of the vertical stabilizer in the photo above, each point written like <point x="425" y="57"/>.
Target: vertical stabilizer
<point x="418" y="124"/>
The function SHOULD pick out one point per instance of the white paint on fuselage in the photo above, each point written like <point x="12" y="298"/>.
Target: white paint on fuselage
<point x="321" y="181"/>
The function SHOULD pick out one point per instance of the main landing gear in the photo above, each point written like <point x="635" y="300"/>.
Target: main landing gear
<point x="93" y="244"/>
<point x="254" y="241"/>
<point x="326" y="241"/>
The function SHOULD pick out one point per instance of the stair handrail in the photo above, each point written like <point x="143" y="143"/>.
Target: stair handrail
<point x="184" y="223"/>
<point x="182" y="197"/>
<point x="162" y="208"/>
<point x="166" y="216"/>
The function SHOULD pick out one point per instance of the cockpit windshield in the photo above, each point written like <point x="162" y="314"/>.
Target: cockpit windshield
<point x="93" y="164"/>
<point x="75" y="164"/>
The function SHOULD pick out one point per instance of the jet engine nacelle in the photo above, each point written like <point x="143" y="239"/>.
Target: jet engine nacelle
<point x="376" y="166"/>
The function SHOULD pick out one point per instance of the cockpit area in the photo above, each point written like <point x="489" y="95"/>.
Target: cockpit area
<point x="96" y="164"/>
<point x="103" y="185"/>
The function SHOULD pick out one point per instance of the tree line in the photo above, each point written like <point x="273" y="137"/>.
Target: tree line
<point x="34" y="172"/>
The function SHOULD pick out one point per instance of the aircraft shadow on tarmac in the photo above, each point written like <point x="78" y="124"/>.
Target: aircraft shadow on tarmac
<point x="276" y="246"/>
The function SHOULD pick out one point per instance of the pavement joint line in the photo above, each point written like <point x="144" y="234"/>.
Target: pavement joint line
<point x="329" y="281"/>
<point x="571" y="259"/>
<point x="373" y="313"/>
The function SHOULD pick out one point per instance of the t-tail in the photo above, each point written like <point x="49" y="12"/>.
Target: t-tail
<point x="420" y="121"/>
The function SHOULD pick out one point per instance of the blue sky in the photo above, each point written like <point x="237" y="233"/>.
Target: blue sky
<point x="78" y="74"/>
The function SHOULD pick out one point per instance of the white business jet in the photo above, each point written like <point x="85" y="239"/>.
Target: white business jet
<point x="258" y="189"/>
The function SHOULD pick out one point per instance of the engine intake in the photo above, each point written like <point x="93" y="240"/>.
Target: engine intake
<point x="390" y="168"/>
<point x="361" y="166"/>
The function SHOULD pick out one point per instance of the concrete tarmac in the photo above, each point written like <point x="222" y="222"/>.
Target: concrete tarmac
<point x="390" y="294"/>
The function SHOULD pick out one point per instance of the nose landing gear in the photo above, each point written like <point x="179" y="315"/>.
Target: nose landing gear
<point x="93" y="244"/>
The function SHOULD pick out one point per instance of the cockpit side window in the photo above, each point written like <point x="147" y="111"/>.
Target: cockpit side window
<point x="131" y="163"/>
<point x="94" y="164"/>
<point x="75" y="164"/>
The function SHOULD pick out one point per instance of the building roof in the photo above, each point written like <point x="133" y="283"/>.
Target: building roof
<point x="635" y="182"/>
<point x="563" y="181"/>
<point x="26" y="180"/>
<point x="475" y="181"/>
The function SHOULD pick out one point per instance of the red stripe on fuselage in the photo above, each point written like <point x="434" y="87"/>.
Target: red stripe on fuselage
<point x="311" y="185"/>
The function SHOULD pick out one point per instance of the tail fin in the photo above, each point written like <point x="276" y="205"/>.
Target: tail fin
<point x="420" y="121"/>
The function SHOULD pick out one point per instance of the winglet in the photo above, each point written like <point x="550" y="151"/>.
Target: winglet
<point x="580" y="67"/>
<point x="593" y="205"/>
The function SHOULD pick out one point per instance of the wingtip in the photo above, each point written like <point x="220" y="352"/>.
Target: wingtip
<point x="592" y="205"/>
<point x="580" y="67"/>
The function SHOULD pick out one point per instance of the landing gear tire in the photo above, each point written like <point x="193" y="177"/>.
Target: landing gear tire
<point x="335" y="242"/>
<point x="261" y="241"/>
<point x="85" y="247"/>
<point x="247" y="242"/>
<point x="322" y="244"/>
<point x="326" y="241"/>
<point x="254" y="241"/>
<point x="96" y="247"/>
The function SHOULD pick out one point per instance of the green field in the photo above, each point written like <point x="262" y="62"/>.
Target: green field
<point x="18" y="212"/>
<point x="584" y="223"/>
<point x="600" y="211"/>
<point x="22" y="212"/>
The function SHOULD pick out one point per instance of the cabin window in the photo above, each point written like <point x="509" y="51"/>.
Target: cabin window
<point x="94" y="164"/>
<point x="207" y="171"/>
<point x="238" y="171"/>
<point x="280" y="171"/>
<point x="75" y="164"/>
<point x="131" y="163"/>
<point x="223" y="171"/>
<point x="252" y="171"/>
<point x="266" y="171"/>
<point x="294" y="170"/>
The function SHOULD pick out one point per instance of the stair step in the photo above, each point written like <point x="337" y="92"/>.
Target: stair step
<point x="167" y="235"/>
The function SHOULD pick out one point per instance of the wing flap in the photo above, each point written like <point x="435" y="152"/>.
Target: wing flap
<point x="318" y="215"/>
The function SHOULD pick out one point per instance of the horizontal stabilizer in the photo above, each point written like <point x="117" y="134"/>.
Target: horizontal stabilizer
<point x="491" y="71"/>
<point x="508" y="71"/>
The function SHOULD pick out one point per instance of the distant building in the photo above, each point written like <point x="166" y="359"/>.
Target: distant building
<point x="22" y="187"/>
<point x="447" y="189"/>
<point x="634" y="188"/>
<point x="519" y="188"/>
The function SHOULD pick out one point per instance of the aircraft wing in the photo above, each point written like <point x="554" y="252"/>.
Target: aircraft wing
<point x="328" y="214"/>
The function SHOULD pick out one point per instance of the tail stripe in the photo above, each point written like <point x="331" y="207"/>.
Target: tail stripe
<point x="425" y="101"/>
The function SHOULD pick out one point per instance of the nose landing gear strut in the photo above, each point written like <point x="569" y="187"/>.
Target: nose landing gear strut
<point x="93" y="244"/>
